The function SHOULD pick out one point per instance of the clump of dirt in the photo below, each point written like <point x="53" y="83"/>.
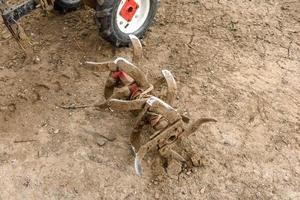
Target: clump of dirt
<point x="236" y="61"/>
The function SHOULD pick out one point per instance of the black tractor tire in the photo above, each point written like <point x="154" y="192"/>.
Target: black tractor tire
<point x="105" y="17"/>
<point x="64" y="6"/>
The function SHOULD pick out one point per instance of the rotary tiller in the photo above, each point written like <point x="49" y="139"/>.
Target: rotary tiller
<point x="128" y="89"/>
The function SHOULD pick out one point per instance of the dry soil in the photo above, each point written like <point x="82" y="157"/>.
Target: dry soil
<point x="235" y="60"/>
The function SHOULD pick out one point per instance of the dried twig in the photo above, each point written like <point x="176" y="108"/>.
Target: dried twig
<point x="110" y="139"/>
<point x="77" y="44"/>
<point x="191" y="47"/>
<point x="75" y="107"/>
<point x="23" y="141"/>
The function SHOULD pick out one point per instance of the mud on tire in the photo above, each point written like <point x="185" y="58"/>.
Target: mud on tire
<point x="106" y="20"/>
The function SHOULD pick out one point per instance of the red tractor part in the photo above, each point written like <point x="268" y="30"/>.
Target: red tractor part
<point x="129" y="9"/>
<point x="127" y="80"/>
<point x="123" y="77"/>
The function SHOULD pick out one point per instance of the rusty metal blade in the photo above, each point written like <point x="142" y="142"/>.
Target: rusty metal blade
<point x="124" y="105"/>
<point x="160" y="107"/>
<point x="195" y="125"/>
<point x="102" y="66"/>
<point x="121" y="64"/>
<point x="133" y="71"/>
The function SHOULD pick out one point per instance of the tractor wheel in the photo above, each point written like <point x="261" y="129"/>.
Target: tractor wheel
<point x="64" y="6"/>
<point x="117" y="19"/>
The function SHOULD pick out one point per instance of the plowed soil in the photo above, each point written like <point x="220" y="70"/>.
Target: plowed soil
<point x="237" y="61"/>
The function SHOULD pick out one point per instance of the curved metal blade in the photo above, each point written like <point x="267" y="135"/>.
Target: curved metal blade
<point x="195" y="125"/>
<point x="137" y="48"/>
<point x="125" y="105"/>
<point x="133" y="71"/>
<point x="160" y="107"/>
<point x="102" y="66"/>
<point x="172" y="86"/>
<point x="121" y="64"/>
<point x="138" y="166"/>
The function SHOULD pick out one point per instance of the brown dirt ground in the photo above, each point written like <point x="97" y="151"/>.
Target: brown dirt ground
<point x="237" y="61"/>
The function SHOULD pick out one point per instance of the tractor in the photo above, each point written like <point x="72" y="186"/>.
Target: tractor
<point x="116" y="19"/>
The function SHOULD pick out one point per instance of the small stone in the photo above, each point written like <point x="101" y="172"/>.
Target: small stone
<point x="202" y="190"/>
<point x="174" y="168"/>
<point x="155" y="182"/>
<point x="101" y="142"/>
<point x="258" y="194"/>
<point x="156" y="196"/>
<point x="188" y="173"/>
<point x="56" y="131"/>
<point x="197" y="160"/>
<point x="160" y="178"/>
<point x="36" y="60"/>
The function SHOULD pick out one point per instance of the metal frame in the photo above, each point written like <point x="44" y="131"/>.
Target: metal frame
<point x="12" y="14"/>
